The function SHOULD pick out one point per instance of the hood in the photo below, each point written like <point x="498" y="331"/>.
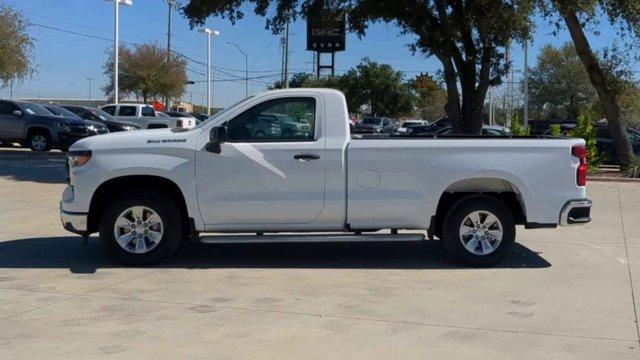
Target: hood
<point x="136" y="140"/>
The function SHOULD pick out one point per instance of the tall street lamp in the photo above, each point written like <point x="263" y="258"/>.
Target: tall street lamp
<point x="246" y="68"/>
<point x="116" y="42"/>
<point x="209" y="32"/>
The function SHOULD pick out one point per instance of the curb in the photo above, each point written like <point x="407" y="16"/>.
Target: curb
<point x="613" y="179"/>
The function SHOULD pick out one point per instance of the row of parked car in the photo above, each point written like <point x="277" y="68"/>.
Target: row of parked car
<point x="443" y="126"/>
<point x="44" y="127"/>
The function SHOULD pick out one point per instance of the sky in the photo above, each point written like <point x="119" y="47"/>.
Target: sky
<point x="72" y="38"/>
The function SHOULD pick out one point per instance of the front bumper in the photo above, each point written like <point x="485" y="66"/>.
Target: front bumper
<point x="74" y="222"/>
<point x="576" y="212"/>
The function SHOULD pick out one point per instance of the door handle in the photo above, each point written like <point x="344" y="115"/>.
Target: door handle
<point x="306" y="157"/>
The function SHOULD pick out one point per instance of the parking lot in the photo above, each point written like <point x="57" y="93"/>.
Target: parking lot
<point x="565" y="293"/>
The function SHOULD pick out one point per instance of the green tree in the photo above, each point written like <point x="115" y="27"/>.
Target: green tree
<point x="378" y="87"/>
<point x="465" y="36"/>
<point x="297" y="80"/>
<point x="369" y="84"/>
<point x="16" y="46"/>
<point x="578" y="14"/>
<point x="144" y="71"/>
<point x="559" y="84"/>
<point x="431" y="98"/>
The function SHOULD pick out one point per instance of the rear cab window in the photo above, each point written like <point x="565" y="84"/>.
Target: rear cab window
<point x="127" y="111"/>
<point x="147" y="111"/>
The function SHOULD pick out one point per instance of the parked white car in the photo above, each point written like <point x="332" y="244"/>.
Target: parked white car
<point x="146" y="191"/>
<point x="146" y="116"/>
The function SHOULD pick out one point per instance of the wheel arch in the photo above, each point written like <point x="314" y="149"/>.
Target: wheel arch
<point x="499" y="188"/>
<point x="38" y="128"/>
<point x="106" y="191"/>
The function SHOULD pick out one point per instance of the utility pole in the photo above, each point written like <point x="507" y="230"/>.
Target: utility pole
<point x="11" y="89"/>
<point x="286" y="57"/>
<point x="90" y="79"/>
<point x="525" y="117"/>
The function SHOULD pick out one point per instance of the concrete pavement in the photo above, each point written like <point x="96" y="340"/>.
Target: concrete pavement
<point x="566" y="293"/>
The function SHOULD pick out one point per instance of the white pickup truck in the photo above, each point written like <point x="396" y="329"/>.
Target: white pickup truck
<point x="146" y="191"/>
<point x="145" y="116"/>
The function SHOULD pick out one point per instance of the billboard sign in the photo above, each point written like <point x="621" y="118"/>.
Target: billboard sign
<point x="327" y="34"/>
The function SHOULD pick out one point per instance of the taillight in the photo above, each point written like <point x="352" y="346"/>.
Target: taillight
<point x="580" y="151"/>
<point x="179" y="123"/>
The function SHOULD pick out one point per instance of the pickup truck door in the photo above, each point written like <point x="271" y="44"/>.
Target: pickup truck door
<point x="265" y="177"/>
<point x="11" y="126"/>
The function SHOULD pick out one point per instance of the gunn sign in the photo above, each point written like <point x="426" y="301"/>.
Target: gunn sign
<point x="326" y="35"/>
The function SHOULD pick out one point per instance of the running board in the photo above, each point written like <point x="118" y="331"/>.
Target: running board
<point x="306" y="238"/>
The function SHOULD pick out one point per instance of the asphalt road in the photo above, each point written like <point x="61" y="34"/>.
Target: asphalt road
<point x="565" y="293"/>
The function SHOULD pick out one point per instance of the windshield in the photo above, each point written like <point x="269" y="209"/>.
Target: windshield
<point x="372" y="121"/>
<point x="103" y="115"/>
<point x="222" y="112"/>
<point x="60" y="111"/>
<point x="35" y="109"/>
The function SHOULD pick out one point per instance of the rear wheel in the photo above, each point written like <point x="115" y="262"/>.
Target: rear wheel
<point x="479" y="230"/>
<point x="39" y="141"/>
<point x="141" y="227"/>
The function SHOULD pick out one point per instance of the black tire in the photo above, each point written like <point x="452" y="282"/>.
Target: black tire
<point x="39" y="135"/>
<point x="454" y="220"/>
<point x="166" y="209"/>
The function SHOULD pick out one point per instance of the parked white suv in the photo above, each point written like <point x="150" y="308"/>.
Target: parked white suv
<point x="146" y="116"/>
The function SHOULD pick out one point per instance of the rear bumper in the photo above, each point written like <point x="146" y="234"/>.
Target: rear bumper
<point x="74" y="222"/>
<point x="576" y="212"/>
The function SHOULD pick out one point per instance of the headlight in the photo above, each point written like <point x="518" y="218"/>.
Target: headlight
<point x="78" y="158"/>
<point x="129" y="127"/>
<point x="91" y="128"/>
<point x="63" y="126"/>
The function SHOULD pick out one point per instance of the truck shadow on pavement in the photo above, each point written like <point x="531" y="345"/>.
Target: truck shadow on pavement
<point x="69" y="252"/>
<point x="21" y="165"/>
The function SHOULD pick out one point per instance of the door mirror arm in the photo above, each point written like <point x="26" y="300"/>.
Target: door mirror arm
<point x="217" y="136"/>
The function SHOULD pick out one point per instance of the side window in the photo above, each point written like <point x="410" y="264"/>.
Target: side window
<point x="287" y="119"/>
<point x="127" y="111"/>
<point x="7" y="108"/>
<point x="111" y="110"/>
<point x="147" y="111"/>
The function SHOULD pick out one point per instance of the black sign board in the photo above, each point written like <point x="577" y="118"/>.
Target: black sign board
<point x="326" y="35"/>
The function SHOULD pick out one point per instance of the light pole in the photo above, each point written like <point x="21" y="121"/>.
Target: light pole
<point x="246" y="68"/>
<point x="170" y="3"/>
<point x="209" y="32"/>
<point x="525" y="117"/>
<point x="116" y="41"/>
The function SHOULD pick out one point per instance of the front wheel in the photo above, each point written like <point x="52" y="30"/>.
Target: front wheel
<point x="39" y="141"/>
<point x="479" y="230"/>
<point x="141" y="227"/>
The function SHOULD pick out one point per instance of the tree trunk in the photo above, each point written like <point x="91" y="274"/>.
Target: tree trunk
<point x="607" y="96"/>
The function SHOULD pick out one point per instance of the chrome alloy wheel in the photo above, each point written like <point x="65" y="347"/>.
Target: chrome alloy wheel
<point x="481" y="232"/>
<point x="138" y="229"/>
<point x="38" y="142"/>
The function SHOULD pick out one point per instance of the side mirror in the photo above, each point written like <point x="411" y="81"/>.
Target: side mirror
<point x="17" y="113"/>
<point x="217" y="136"/>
